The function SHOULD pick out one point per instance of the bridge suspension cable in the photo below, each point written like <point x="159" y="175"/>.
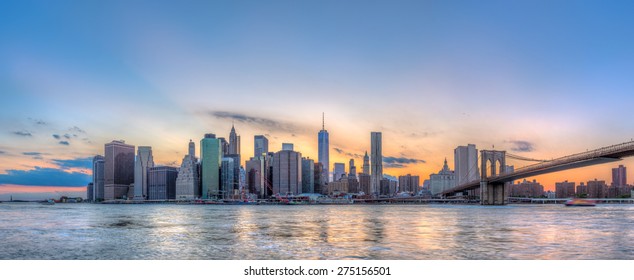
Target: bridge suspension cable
<point x="525" y="158"/>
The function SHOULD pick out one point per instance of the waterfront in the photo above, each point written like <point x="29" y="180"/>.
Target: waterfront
<point x="166" y="231"/>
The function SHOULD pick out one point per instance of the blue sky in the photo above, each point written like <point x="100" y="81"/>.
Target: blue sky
<point x="544" y="78"/>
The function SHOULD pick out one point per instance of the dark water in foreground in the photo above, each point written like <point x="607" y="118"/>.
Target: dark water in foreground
<point x="91" y="231"/>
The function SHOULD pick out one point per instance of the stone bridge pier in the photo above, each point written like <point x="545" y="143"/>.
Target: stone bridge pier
<point x="492" y="193"/>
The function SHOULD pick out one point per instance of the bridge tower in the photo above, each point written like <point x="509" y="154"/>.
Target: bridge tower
<point x="492" y="193"/>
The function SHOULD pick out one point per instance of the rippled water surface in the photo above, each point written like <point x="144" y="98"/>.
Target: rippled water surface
<point x="93" y="231"/>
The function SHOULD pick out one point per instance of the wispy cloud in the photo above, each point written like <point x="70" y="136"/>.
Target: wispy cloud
<point x="65" y="164"/>
<point x="400" y="162"/>
<point x="270" y="124"/>
<point x="522" y="146"/>
<point x="76" y="129"/>
<point x="44" y="177"/>
<point x="342" y="152"/>
<point x="35" y="155"/>
<point x="56" y="136"/>
<point x="65" y="143"/>
<point x="23" y="133"/>
<point x="2" y="152"/>
<point x="38" y="121"/>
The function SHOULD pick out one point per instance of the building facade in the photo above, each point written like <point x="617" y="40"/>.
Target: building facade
<point x="287" y="172"/>
<point x="308" y="175"/>
<point x="162" y="183"/>
<point x="260" y="145"/>
<point x="324" y="154"/>
<point x="564" y="189"/>
<point x="144" y="160"/>
<point x="188" y="181"/>
<point x="376" y="161"/>
<point x="98" y="177"/>
<point x="466" y="164"/>
<point x="210" y="157"/>
<point x="527" y="189"/>
<point x="118" y="170"/>
<point x="408" y="183"/>
<point x="338" y="171"/>
<point x="619" y="176"/>
<point x="443" y="180"/>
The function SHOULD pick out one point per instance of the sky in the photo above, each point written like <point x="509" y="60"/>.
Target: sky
<point x="540" y="79"/>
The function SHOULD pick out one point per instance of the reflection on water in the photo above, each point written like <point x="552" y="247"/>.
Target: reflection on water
<point x="86" y="231"/>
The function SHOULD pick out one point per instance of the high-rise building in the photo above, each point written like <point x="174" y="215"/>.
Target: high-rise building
<point x="210" y="156"/>
<point x="352" y="169"/>
<point x="527" y="189"/>
<point x="564" y="189"/>
<point x="235" y="187"/>
<point x="323" y="149"/>
<point x="444" y="179"/>
<point x="364" y="183"/>
<point x="162" y="182"/>
<point x="257" y="172"/>
<point x="308" y="175"/>
<point x="260" y="145"/>
<point x="366" y="163"/>
<point x="597" y="189"/>
<point x="192" y="148"/>
<point x="408" y="183"/>
<point x="119" y="169"/>
<point x="98" y="177"/>
<point x="287" y="172"/>
<point x="89" y="191"/>
<point x="319" y="184"/>
<point x="227" y="176"/>
<point x="144" y="160"/>
<point x="376" y="157"/>
<point x="466" y="164"/>
<point x="619" y="176"/>
<point x="338" y="171"/>
<point x="234" y="142"/>
<point x="188" y="179"/>
<point x="224" y="146"/>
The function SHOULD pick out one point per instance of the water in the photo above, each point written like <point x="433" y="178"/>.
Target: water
<point x="93" y="231"/>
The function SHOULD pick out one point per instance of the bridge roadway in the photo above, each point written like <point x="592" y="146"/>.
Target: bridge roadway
<point x="598" y="156"/>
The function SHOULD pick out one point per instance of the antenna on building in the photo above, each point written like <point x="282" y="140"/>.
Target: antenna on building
<point x="323" y="121"/>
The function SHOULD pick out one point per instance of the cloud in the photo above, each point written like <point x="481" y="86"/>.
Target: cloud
<point x="270" y="124"/>
<point x="68" y="136"/>
<point x="2" y="152"/>
<point x="35" y="155"/>
<point x="56" y="136"/>
<point x="399" y="162"/>
<point x="66" y="143"/>
<point x="65" y="164"/>
<point x="522" y="146"/>
<point x="342" y="152"/>
<point x="23" y="133"/>
<point x="76" y="129"/>
<point x="45" y="177"/>
<point x="38" y="121"/>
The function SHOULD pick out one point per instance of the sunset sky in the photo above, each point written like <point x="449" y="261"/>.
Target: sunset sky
<point x="540" y="79"/>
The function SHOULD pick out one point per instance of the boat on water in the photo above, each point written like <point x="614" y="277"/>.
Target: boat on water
<point x="47" y="202"/>
<point x="580" y="202"/>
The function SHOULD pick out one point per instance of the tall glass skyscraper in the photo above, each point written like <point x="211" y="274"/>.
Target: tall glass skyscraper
<point x="119" y="169"/>
<point x="260" y="145"/>
<point x="323" y="148"/>
<point x="210" y="156"/>
<point x="376" y="161"/>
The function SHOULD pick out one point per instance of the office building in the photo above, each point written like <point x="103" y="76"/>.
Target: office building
<point x="366" y="163"/>
<point x="320" y="186"/>
<point x="443" y="180"/>
<point x="287" y="172"/>
<point x="466" y="164"/>
<point x="260" y="145"/>
<point x="352" y="169"/>
<point x="235" y="183"/>
<point x="144" y="160"/>
<point x="619" y="176"/>
<point x="89" y="191"/>
<point x="162" y="183"/>
<point x="308" y="175"/>
<point x="376" y="161"/>
<point x="364" y="183"/>
<point x="257" y="173"/>
<point x="188" y="179"/>
<point x="338" y="171"/>
<point x="227" y="177"/>
<point x="118" y="170"/>
<point x="98" y="177"/>
<point x="210" y="156"/>
<point x="323" y="150"/>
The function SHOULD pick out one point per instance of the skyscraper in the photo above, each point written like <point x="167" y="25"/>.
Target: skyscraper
<point x="162" y="182"/>
<point x="376" y="157"/>
<point x="192" y="148"/>
<point x="260" y="145"/>
<point x="89" y="191"/>
<point x="119" y="169"/>
<point x="227" y="176"/>
<point x="339" y="171"/>
<point x="466" y="164"/>
<point x="353" y="169"/>
<point x="366" y="164"/>
<point x="234" y="142"/>
<point x="188" y="181"/>
<point x="287" y="172"/>
<point x="210" y="154"/>
<point x="619" y="176"/>
<point x="235" y="172"/>
<point x="98" y="176"/>
<point x="308" y="175"/>
<point x="323" y="149"/>
<point x="257" y="172"/>
<point x="144" y="160"/>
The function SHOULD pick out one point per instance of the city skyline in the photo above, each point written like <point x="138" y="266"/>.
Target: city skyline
<point x="430" y="76"/>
